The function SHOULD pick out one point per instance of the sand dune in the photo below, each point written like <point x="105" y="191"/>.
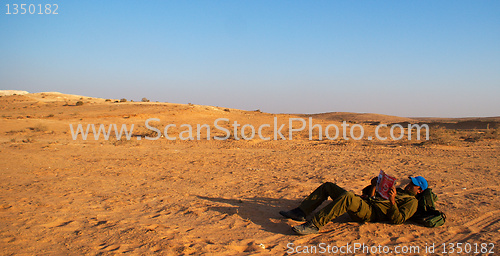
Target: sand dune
<point x="208" y="197"/>
<point x="12" y="92"/>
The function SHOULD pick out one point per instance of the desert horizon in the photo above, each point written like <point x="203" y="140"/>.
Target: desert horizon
<point x="218" y="127"/>
<point x="332" y="115"/>
<point x="61" y="195"/>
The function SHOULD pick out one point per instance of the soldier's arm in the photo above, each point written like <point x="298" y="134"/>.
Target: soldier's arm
<point x="369" y="191"/>
<point x="398" y="214"/>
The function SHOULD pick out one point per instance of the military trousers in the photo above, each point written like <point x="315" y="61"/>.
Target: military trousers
<point x="343" y="201"/>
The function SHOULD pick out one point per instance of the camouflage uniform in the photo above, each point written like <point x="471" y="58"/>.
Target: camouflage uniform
<point x="361" y="210"/>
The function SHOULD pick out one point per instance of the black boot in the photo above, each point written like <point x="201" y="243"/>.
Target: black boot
<point x="306" y="229"/>
<point x="294" y="214"/>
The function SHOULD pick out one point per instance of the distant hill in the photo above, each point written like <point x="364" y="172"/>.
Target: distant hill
<point x="461" y="123"/>
<point x="12" y="92"/>
<point x="464" y="123"/>
<point x="458" y="119"/>
<point x="359" y="117"/>
<point x="367" y="118"/>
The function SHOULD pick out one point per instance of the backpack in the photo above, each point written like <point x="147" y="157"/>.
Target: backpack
<point x="431" y="219"/>
<point x="426" y="214"/>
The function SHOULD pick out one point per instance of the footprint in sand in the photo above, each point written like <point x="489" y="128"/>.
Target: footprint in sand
<point x="57" y="223"/>
<point x="111" y="247"/>
<point x="246" y="245"/>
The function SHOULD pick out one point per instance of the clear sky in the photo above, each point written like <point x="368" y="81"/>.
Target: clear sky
<point x="405" y="58"/>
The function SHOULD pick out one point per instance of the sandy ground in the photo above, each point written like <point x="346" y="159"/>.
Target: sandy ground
<point x="60" y="196"/>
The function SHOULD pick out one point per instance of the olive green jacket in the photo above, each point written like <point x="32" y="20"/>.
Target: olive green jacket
<point x="406" y="205"/>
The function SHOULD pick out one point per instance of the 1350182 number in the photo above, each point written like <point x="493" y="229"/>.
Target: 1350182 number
<point x="32" y="9"/>
<point x="466" y="248"/>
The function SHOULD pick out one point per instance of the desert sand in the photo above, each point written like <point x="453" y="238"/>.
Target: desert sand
<point x="60" y="196"/>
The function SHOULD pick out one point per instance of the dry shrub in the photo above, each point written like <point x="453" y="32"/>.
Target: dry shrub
<point x="120" y="142"/>
<point x="442" y="136"/>
<point x="492" y="134"/>
<point x="475" y="136"/>
<point x="28" y="140"/>
<point x="145" y="132"/>
<point x="39" y="128"/>
<point x="14" y="131"/>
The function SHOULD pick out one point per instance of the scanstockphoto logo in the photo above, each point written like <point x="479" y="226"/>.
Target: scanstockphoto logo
<point x="236" y="131"/>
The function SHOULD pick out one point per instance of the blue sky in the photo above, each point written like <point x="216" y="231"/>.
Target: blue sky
<point x="405" y="58"/>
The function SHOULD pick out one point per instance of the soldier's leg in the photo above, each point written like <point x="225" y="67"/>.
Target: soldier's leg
<point x="319" y="195"/>
<point x="346" y="202"/>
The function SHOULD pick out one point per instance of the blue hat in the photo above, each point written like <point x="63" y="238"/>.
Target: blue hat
<point x="419" y="181"/>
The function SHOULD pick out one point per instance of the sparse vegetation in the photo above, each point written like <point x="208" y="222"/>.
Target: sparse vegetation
<point x="14" y="131"/>
<point x="475" y="136"/>
<point x="28" y="140"/>
<point x="493" y="134"/>
<point x="123" y="100"/>
<point x="472" y="137"/>
<point x="143" y="132"/>
<point x="145" y="100"/>
<point x="453" y="137"/>
<point x="107" y="100"/>
<point x="79" y="103"/>
<point x="99" y="166"/>
<point x="39" y="128"/>
<point x="442" y="136"/>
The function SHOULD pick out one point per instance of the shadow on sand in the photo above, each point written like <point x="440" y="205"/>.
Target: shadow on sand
<point x="264" y="212"/>
<point x="261" y="211"/>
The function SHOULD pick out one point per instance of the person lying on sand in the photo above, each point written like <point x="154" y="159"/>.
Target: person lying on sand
<point x="370" y="207"/>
